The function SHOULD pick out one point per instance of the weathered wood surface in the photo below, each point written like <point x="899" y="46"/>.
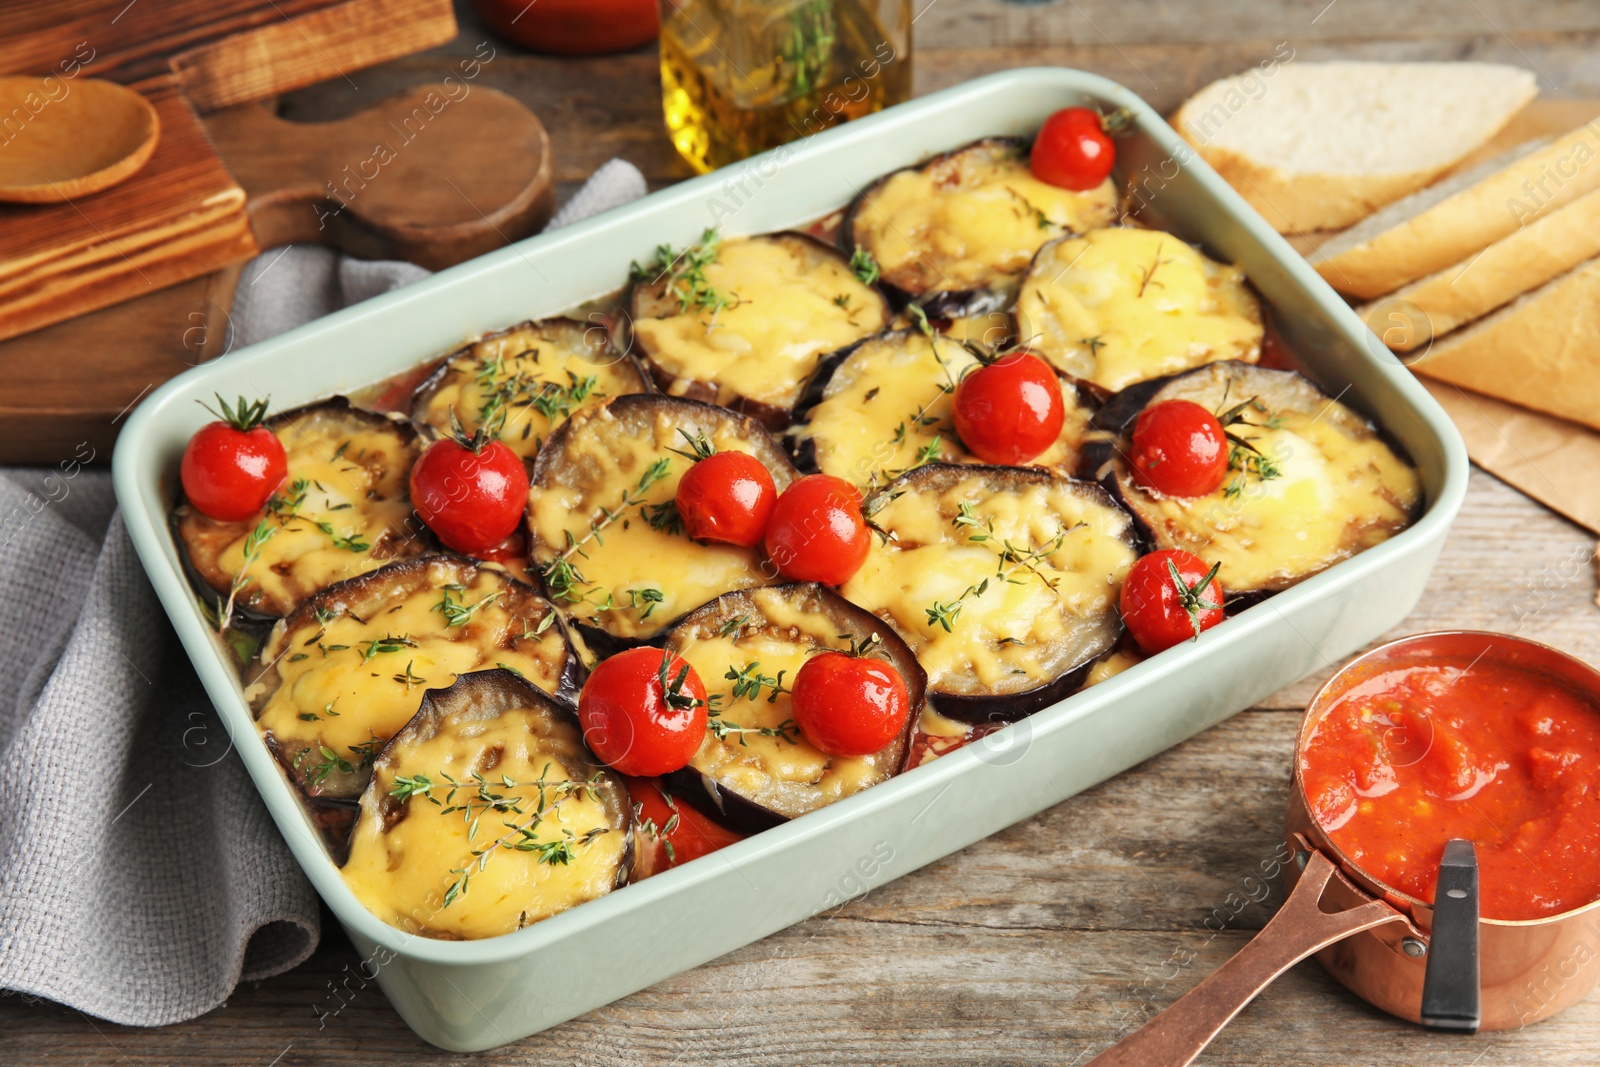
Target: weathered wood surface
<point x="1046" y="942"/>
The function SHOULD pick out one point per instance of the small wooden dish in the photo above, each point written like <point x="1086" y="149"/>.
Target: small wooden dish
<point x="78" y="136"/>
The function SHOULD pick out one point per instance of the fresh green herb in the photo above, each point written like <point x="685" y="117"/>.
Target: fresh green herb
<point x="386" y="643"/>
<point x="1010" y="559"/>
<point x="410" y="678"/>
<point x="648" y="598"/>
<point x="865" y="266"/>
<point x="1150" y="272"/>
<point x="663" y="516"/>
<point x="749" y="682"/>
<point x="561" y="575"/>
<point x="683" y="275"/>
<point x="722" y="729"/>
<point x="733" y="626"/>
<point x="254" y="541"/>
<point x="458" y="612"/>
<point x="362" y="757"/>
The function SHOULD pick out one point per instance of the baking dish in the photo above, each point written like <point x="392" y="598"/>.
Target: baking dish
<point x="468" y="996"/>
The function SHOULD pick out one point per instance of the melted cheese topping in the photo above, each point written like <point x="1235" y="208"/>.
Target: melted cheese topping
<point x="403" y="874"/>
<point x="541" y="373"/>
<point x="1124" y="305"/>
<point x="1111" y="666"/>
<point x="337" y="691"/>
<point x="970" y="219"/>
<point x="1015" y="635"/>
<point x="790" y="777"/>
<point x="343" y="511"/>
<point x="889" y="407"/>
<point x="635" y="578"/>
<point x="1338" y="493"/>
<point x="790" y="304"/>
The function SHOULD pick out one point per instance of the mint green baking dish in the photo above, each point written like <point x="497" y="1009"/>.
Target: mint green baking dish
<point x="467" y="996"/>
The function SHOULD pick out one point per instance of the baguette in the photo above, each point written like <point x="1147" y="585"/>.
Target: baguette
<point x="1538" y="351"/>
<point x="1427" y="235"/>
<point x="1434" y="306"/>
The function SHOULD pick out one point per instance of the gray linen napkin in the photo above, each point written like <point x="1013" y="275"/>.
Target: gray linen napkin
<point x="141" y="877"/>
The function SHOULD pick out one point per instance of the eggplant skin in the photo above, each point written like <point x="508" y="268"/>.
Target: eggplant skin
<point x="371" y="600"/>
<point x="937" y="298"/>
<point x="615" y="371"/>
<point x="203" y="541"/>
<point x="771" y="614"/>
<point x="589" y="464"/>
<point x="1355" y="490"/>
<point x="472" y="703"/>
<point x="973" y="667"/>
<point x="649" y="300"/>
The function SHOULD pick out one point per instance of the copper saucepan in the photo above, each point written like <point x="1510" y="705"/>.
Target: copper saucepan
<point x="1377" y="940"/>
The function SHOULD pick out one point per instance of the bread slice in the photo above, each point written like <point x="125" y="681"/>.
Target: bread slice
<point x="1318" y="146"/>
<point x="1430" y="308"/>
<point x="1541" y="351"/>
<point x="1450" y="224"/>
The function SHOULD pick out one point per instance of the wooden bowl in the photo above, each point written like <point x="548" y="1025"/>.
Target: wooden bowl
<point x="77" y="136"/>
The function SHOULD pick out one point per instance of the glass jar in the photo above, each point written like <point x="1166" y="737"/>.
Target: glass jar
<point x="742" y="76"/>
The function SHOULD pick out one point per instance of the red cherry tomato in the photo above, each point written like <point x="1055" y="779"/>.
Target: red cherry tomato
<point x="1073" y="150"/>
<point x="817" y="532"/>
<point x="848" y="705"/>
<point x="1179" y="448"/>
<point x="1009" y="411"/>
<point x="1169" y="597"/>
<point x="727" y="497"/>
<point x="673" y="832"/>
<point x="643" y="712"/>
<point x="231" y="467"/>
<point x="473" y="499"/>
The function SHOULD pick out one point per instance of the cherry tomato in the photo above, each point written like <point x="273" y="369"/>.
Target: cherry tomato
<point x="1010" y="411"/>
<point x="470" y="492"/>
<point x="817" y="532"/>
<point x="1179" y="448"/>
<point x="1073" y="150"/>
<point x="1169" y="597"/>
<point x="848" y="705"/>
<point x="673" y="832"/>
<point x="231" y="467"/>
<point x="727" y="497"/>
<point x="643" y="712"/>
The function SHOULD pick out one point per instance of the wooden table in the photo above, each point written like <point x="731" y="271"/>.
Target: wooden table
<point x="1044" y="943"/>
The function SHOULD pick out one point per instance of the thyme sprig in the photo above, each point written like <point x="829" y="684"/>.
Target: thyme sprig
<point x="362" y="757"/>
<point x="480" y="797"/>
<point x="683" y="276"/>
<point x="458" y="612"/>
<point x="749" y="683"/>
<point x="1243" y="455"/>
<point x="386" y="643"/>
<point x="1010" y="559"/>
<point x="254" y="541"/>
<point x="561" y="575"/>
<point x="865" y="267"/>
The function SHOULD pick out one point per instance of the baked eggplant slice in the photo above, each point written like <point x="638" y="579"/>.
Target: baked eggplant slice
<point x="343" y="510"/>
<point x="339" y="676"/>
<point x="886" y="406"/>
<point x="486" y="813"/>
<point x="755" y="769"/>
<point x="1123" y="305"/>
<point x="607" y="541"/>
<point x="538" y="373"/>
<point x="1003" y="580"/>
<point x="743" y="322"/>
<point x="1312" y="484"/>
<point x="956" y="233"/>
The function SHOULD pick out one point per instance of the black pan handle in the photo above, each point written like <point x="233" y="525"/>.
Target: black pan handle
<point x="1450" y="986"/>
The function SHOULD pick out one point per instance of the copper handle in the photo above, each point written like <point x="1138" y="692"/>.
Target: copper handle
<point x="1176" y="1036"/>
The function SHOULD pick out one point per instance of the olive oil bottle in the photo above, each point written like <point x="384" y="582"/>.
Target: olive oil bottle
<point x="742" y="76"/>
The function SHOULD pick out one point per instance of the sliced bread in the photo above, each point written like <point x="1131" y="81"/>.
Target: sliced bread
<point x="1539" y="351"/>
<point x="1319" y="146"/>
<point x="1547" y="248"/>
<point x="1455" y="221"/>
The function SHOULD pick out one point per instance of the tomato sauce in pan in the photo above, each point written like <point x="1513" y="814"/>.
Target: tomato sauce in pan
<point x="1420" y="753"/>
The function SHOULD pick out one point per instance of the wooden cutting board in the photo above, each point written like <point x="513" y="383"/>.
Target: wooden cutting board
<point x="472" y="176"/>
<point x="182" y="215"/>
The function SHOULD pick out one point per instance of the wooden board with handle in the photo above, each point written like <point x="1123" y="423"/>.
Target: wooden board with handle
<point x="464" y="173"/>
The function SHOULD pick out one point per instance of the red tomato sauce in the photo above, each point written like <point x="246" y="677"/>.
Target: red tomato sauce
<point x="1417" y="754"/>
